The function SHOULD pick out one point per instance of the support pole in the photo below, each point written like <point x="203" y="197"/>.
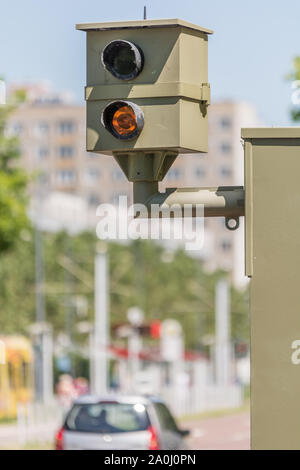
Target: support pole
<point x="100" y="382"/>
<point x="42" y="340"/>
<point x="222" y="346"/>
<point x="92" y="360"/>
<point x="40" y="315"/>
<point x="144" y="190"/>
<point x="47" y="364"/>
<point x="134" y="349"/>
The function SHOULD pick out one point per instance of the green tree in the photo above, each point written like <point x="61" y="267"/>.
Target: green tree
<point x="142" y="273"/>
<point x="294" y="76"/>
<point x="13" y="181"/>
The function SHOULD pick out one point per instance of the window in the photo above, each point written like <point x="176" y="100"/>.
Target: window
<point x="200" y="172"/>
<point x="115" y="198"/>
<point x="225" y="172"/>
<point x="42" y="153"/>
<point x="17" y="128"/>
<point x="117" y="175"/>
<point x="66" y="176"/>
<point x="65" y="151"/>
<point x="108" y="418"/>
<point x="25" y="375"/>
<point x="42" y="178"/>
<point x="225" y="122"/>
<point x="226" y="245"/>
<point x="42" y="128"/>
<point x="66" y="127"/>
<point x="93" y="200"/>
<point x="174" y="174"/>
<point x="11" y="376"/>
<point x="92" y="175"/>
<point x="225" y="147"/>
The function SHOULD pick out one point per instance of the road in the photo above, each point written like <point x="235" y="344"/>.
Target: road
<point x="230" y="432"/>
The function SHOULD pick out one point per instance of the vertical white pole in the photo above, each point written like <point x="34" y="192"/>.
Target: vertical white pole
<point x="101" y="323"/>
<point x="47" y="364"/>
<point x="92" y="359"/>
<point x="222" y="347"/>
<point x="40" y="312"/>
<point x="134" y="349"/>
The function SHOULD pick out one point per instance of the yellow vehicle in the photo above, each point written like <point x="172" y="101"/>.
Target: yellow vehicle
<point x="16" y="374"/>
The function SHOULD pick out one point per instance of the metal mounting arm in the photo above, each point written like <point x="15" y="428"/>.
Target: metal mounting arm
<point x="228" y="201"/>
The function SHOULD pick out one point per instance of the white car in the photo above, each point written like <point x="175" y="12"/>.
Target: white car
<point x="121" y="422"/>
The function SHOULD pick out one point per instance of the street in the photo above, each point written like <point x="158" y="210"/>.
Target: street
<point x="230" y="432"/>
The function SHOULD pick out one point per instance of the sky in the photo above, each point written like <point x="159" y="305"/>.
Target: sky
<point x="249" y="55"/>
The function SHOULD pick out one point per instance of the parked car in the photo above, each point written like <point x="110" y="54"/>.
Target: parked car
<point x="122" y="422"/>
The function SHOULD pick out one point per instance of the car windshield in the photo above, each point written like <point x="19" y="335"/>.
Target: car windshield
<point x="108" y="418"/>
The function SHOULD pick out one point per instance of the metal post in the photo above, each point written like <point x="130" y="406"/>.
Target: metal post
<point x="40" y="315"/>
<point x="134" y="349"/>
<point x="227" y="201"/>
<point x="47" y="364"/>
<point x="222" y="346"/>
<point x="101" y="323"/>
<point x="42" y="340"/>
<point x="39" y="278"/>
<point x="135" y="316"/>
<point x="92" y="359"/>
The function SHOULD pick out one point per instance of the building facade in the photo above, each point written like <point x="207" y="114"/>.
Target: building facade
<point x="51" y="131"/>
<point x="223" y="165"/>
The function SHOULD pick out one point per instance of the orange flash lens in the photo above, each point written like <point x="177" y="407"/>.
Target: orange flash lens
<point x="124" y="120"/>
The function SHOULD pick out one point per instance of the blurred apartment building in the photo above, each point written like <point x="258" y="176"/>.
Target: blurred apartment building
<point x="51" y="130"/>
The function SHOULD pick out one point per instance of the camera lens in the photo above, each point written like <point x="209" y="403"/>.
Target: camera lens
<point x="123" y="119"/>
<point x="123" y="59"/>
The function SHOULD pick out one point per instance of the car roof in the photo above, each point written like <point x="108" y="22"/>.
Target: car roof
<point x="132" y="399"/>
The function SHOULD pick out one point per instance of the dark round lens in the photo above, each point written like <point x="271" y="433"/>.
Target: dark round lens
<point x="123" y="59"/>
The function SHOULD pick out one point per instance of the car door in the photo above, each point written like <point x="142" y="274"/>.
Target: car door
<point x="170" y="436"/>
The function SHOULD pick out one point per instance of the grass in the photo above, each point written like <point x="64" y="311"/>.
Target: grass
<point x="8" y="421"/>
<point x="29" y="446"/>
<point x="217" y="413"/>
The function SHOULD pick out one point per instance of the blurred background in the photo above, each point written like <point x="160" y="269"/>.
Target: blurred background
<point x="78" y="315"/>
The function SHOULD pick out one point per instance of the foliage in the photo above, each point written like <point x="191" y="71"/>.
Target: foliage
<point x="163" y="284"/>
<point x="294" y="76"/>
<point x="295" y="73"/>
<point x="13" y="181"/>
